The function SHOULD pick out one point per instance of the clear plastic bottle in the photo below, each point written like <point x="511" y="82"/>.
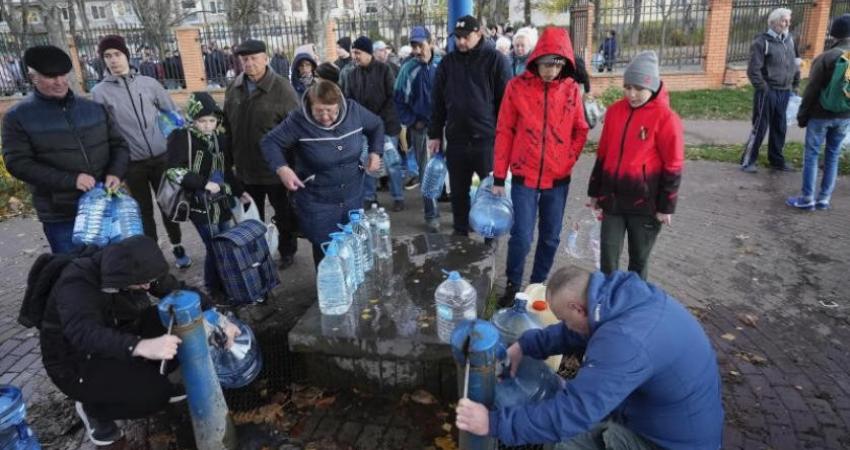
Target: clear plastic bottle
<point x="358" y="250"/>
<point x="385" y="245"/>
<point x="126" y="217"/>
<point x="534" y="382"/>
<point x="515" y="320"/>
<point x="392" y="160"/>
<point x="15" y="434"/>
<point x="334" y="295"/>
<point x="93" y="224"/>
<point x="361" y="228"/>
<point x="347" y="256"/>
<point x="240" y="364"/>
<point x="372" y="218"/>
<point x="434" y="176"/>
<point x="455" y="300"/>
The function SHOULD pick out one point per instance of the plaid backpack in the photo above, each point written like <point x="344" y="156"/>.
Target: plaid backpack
<point x="244" y="262"/>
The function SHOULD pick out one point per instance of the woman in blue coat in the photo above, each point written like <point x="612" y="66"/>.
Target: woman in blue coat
<point x="326" y="136"/>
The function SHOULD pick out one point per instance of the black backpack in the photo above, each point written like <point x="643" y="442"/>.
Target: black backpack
<point x="43" y="274"/>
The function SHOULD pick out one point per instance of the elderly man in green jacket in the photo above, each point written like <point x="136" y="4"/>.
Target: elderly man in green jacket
<point x="255" y="102"/>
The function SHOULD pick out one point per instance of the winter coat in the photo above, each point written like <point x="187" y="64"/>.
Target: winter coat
<point x="91" y="313"/>
<point x="48" y="142"/>
<point x="295" y="76"/>
<point x="639" y="159"/>
<point x="518" y="63"/>
<point x="249" y="117"/>
<point x="211" y="161"/>
<point x="327" y="161"/>
<point x="609" y="49"/>
<point x="413" y="90"/>
<point x="134" y="102"/>
<point x="467" y="94"/>
<point x="541" y="129"/>
<point x="647" y="362"/>
<point x="820" y="75"/>
<point x="280" y="65"/>
<point x="773" y="63"/>
<point x="372" y="87"/>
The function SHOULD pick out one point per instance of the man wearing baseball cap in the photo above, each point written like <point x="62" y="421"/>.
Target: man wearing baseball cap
<point x="37" y="134"/>
<point x="468" y="91"/>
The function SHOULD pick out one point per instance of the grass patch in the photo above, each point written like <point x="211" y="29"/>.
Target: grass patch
<point x="14" y="196"/>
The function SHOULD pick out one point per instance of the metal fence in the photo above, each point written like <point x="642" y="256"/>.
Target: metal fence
<point x="749" y="18"/>
<point x="13" y="72"/>
<point x="579" y="21"/>
<point x="393" y="30"/>
<point x="674" y="29"/>
<point x="838" y="8"/>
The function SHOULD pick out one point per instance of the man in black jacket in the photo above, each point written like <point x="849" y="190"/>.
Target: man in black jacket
<point x="60" y="145"/>
<point x="466" y="97"/>
<point x="371" y="83"/>
<point x="102" y="341"/>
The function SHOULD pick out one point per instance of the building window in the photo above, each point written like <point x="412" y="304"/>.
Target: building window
<point x="64" y="14"/>
<point x="98" y="12"/>
<point x="213" y="8"/>
<point x="188" y="4"/>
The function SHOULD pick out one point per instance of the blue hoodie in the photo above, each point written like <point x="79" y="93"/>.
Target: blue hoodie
<point x="295" y="76"/>
<point x="647" y="363"/>
<point x="413" y="89"/>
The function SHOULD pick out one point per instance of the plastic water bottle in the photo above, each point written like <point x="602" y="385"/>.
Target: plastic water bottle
<point x="792" y="109"/>
<point x="491" y="215"/>
<point x="357" y="247"/>
<point x="434" y="176"/>
<point x="15" y="434"/>
<point x="372" y="218"/>
<point x="346" y="253"/>
<point x="93" y="224"/>
<point x="126" y="217"/>
<point x="456" y="300"/>
<point x="168" y="121"/>
<point x="534" y="382"/>
<point x="360" y="226"/>
<point x="512" y="322"/>
<point x="240" y="364"/>
<point x="334" y="295"/>
<point x="385" y="244"/>
<point x="392" y="160"/>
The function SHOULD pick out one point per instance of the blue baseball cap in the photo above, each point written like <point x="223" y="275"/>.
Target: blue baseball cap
<point x="419" y="34"/>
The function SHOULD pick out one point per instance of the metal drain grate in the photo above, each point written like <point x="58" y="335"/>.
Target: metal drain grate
<point x="275" y="376"/>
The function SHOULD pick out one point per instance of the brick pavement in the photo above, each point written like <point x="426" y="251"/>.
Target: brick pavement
<point x="733" y="249"/>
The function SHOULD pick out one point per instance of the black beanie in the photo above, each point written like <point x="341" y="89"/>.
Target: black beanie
<point x="840" y="28"/>
<point x="113" y="41"/>
<point x="363" y="44"/>
<point x="328" y="71"/>
<point x="345" y="43"/>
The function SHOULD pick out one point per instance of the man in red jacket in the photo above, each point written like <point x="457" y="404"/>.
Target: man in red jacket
<point x="539" y="137"/>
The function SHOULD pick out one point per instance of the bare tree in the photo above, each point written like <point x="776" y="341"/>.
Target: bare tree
<point x="397" y="11"/>
<point x="634" y="35"/>
<point x="157" y="18"/>
<point x="319" y="12"/>
<point x="243" y="14"/>
<point x="526" y="11"/>
<point x="667" y="7"/>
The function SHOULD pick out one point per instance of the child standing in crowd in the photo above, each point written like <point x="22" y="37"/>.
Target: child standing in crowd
<point x="609" y="51"/>
<point x="199" y="153"/>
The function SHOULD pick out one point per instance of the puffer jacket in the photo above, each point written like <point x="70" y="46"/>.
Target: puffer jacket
<point x="640" y="157"/>
<point x="48" y="142"/>
<point x="413" y="89"/>
<point x="541" y="129"/>
<point x="372" y="87"/>
<point x="134" y="102"/>
<point x="247" y="118"/>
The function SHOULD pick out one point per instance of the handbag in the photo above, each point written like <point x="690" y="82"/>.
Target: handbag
<point x="172" y="199"/>
<point x="593" y="112"/>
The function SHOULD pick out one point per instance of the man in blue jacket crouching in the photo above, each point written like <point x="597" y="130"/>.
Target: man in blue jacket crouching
<point x="649" y="377"/>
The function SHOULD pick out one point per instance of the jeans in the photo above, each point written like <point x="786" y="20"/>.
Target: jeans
<point x="463" y="159"/>
<point x="528" y="203"/>
<point x="394" y="173"/>
<point x="59" y="236"/>
<point x="419" y="144"/>
<point x="833" y="132"/>
<point x="641" y="230"/>
<point x="607" y="435"/>
<point x="142" y="176"/>
<point x="768" y="112"/>
<point x="212" y="281"/>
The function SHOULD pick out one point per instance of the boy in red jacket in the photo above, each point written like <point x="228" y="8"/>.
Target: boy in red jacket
<point x="635" y="180"/>
<point x="539" y="136"/>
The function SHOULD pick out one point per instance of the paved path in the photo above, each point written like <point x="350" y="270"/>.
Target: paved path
<point x="734" y="249"/>
<point x="721" y="132"/>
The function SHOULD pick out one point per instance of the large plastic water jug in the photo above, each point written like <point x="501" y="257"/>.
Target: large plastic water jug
<point x="335" y="297"/>
<point x="357" y="249"/>
<point x="491" y="215"/>
<point x="792" y="109"/>
<point x="361" y="228"/>
<point x="538" y="307"/>
<point x="346" y="253"/>
<point x="434" y="177"/>
<point x="168" y="121"/>
<point x="534" y="382"/>
<point x="240" y="364"/>
<point x="487" y="185"/>
<point x="515" y="320"/>
<point x="15" y="434"/>
<point x="383" y="226"/>
<point x="93" y="224"/>
<point x="456" y="300"/>
<point x="126" y="217"/>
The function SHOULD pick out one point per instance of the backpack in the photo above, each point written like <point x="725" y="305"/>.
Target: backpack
<point x="836" y="96"/>
<point x="43" y="274"/>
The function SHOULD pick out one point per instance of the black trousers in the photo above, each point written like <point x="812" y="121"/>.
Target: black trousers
<point x="284" y="214"/>
<point x="114" y="389"/>
<point x="769" y="107"/>
<point x="142" y="176"/>
<point x="641" y="232"/>
<point x="464" y="159"/>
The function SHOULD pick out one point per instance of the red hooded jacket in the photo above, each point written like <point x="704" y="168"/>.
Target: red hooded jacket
<point x="640" y="158"/>
<point x="541" y="129"/>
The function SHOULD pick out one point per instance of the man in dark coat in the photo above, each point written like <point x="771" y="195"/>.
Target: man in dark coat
<point x="60" y="145"/>
<point x="255" y="102"/>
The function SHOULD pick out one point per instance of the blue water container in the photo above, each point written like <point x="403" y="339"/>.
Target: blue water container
<point x="240" y="364"/>
<point x="534" y="382"/>
<point x="491" y="215"/>
<point x="168" y="121"/>
<point x="93" y="224"/>
<point x="126" y="217"/>
<point x="434" y="177"/>
<point x="15" y="434"/>
<point x="513" y="321"/>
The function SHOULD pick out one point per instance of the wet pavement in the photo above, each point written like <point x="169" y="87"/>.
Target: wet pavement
<point x="767" y="283"/>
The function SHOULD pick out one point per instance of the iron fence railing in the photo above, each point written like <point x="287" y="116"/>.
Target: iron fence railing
<point x="749" y="18"/>
<point x="393" y="29"/>
<point x="13" y="72"/>
<point x="838" y="8"/>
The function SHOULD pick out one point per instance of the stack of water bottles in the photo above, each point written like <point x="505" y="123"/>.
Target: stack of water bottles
<point x="104" y="217"/>
<point x="491" y="215"/>
<point x="350" y="255"/>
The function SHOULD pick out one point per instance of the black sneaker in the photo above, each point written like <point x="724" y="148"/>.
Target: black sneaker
<point x="507" y="299"/>
<point x="181" y="259"/>
<point x="99" y="432"/>
<point x="411" y="184"/>
<point x="286" y="261"/>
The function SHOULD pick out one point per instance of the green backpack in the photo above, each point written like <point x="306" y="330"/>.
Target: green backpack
<point x="836" y="96"/>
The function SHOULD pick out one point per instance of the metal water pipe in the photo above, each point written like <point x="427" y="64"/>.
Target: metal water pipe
<point x="211" y="421"/>
<point x="457" y="9"/>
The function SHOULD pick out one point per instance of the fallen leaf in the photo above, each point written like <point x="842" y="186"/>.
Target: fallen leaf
<point x="15" y="204"/>
<point x="748" y="319"/>
<point x="728" y="336"/>
<point x="734" y="373"/>
<point x="264" y="414"/>
<point x="306" y="397"/>
<point x="798" y="387"/>
<point x="445" y="443"/>
<point x="325" y="402"/>
<point x="423" y="397"/>
<point x="447" y="427"/>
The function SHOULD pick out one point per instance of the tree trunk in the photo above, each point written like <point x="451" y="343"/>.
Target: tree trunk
<point x="634" y="36"/>
<point x="526" y="12"/>
<point x="84" y="18"/>
<point x="319" y="14"/>
<point x="51" y="16"/>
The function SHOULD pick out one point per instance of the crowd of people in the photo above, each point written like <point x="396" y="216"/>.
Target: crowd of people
<point x="307" y="137"/>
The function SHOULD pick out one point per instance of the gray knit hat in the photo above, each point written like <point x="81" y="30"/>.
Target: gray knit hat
<point x="643" y="71"/>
